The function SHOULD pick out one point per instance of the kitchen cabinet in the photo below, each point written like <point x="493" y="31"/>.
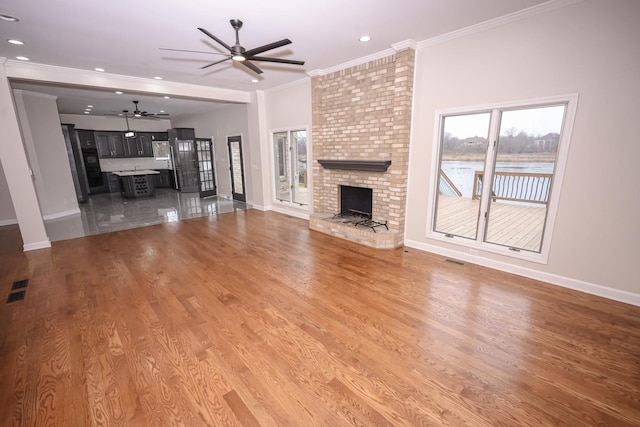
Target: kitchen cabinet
<point x="110" y="144"/>
<point x="140" y="146"/>
<point x="164" y="179"/>
<point x="87" y="139"/>
<point x="113" y="181"/>
<point x="185" y="162"/>
<point x="160" y="136"/>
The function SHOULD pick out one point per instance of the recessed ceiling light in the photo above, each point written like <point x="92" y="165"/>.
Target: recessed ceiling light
<point x="9" y="18"/>
<point x="118" y="92"/>
<point x="162" y="111"/>
<point x="89" y="106"/>
<point x="365" y="39"/>
<point x="99" y="69"/>
<point x="14" y="41"/>
<point x="254" y="80"/>
<point x="167" y="97"/>
<point x="158" y="78"/>
<point x="87" y="112"/>
<point x="22" y="58"/>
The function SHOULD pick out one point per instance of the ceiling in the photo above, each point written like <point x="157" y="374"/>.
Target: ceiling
<point x="125" y="37"/>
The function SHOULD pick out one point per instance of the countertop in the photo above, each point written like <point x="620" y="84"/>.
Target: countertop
<point x="136" y="172"/>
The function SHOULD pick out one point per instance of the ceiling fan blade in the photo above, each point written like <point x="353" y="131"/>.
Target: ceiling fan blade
<point x="251" y="66"/>
<point x="278" y="60"/>
<point x="193" y="51"/>
<point x="226" y="46"/>
<point x="214" y="63"/>
<point x="267" y="47"/>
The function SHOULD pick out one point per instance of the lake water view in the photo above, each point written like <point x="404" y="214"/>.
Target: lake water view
<point x="461" y="172"/>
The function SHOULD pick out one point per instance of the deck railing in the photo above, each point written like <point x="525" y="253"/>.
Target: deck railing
<point x="516" y="186"/>
<point x="446" y="186"/>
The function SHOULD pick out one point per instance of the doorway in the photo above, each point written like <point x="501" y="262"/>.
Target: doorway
<point x="236" y="166"/>
<point x="204" y="151"/>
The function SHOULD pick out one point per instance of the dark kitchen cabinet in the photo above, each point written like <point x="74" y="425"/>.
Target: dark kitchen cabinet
<point x="114" y="183"/>
<point x="110" y="144"/>
<point x="164" y="179"/>
<point x="160" y="136"/>
<point x="185" y="160"/>
<point x="87" y="139"/>
<point x="140" y="146"/>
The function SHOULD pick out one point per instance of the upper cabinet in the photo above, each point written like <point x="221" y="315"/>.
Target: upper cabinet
<point x="110" y="144"/>
<point x="87" y="139"/>
<point x="114" y="144"/>
<point x="140" y="146"/>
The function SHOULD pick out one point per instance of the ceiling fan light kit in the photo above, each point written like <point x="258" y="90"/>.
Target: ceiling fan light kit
<point x="239" y="54"/>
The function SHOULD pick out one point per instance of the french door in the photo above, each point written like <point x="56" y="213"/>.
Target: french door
<point x="206" y="173"/>
<point x="236" y="167"/>
<point x="291" y="167"/>
<point x="495" y="175"/>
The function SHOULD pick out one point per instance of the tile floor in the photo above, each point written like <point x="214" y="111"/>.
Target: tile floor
<point x="108" y="212"/>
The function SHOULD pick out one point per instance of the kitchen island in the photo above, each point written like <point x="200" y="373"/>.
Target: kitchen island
<point x="137" y="183"/>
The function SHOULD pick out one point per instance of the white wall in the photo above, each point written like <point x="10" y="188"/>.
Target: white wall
<point x="218" y="124"/>
<point x="288" y="107"/>
<point x="7" y="213"/>
<point x="589" y="48"/>
<point x="17" y="172"/>
<point x="46" y="149"/>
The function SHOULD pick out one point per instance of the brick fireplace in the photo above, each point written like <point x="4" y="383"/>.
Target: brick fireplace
<point x="362" y="117"/>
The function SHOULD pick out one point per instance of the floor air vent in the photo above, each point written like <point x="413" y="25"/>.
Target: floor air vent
<point x="20" y="284"/>
<point x="16" y="296"/>
<point x="453" y="261"/>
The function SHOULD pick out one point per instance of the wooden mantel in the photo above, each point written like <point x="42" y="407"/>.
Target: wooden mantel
<point x="357" y="165"/>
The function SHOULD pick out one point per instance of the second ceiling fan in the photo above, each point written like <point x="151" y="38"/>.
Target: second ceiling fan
<point x="238" y="53"/>
<point x="138" y="113"/>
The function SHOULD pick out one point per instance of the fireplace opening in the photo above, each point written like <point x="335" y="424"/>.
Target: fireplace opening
<point x="356" y="200"/>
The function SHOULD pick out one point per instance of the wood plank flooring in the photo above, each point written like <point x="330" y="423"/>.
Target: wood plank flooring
<point x="510" y="224"/>
<point x="251" y="319"/>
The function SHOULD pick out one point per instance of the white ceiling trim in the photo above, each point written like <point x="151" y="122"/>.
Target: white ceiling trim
<point x="496" y="22"/>
<point x="97" y="80"/>
<point x="353" y="63"/>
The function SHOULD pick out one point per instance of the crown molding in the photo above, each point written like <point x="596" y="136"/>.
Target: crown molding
<point x="496" y="22"/>
<point x="353" y="63"/>
<point x="405" y="44"/>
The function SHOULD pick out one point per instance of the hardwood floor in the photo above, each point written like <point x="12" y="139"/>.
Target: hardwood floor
<point x="249" y="318"/>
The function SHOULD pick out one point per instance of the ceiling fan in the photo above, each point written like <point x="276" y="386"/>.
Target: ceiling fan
<point x="138" y="113"/>
<point x="239" y="54"/>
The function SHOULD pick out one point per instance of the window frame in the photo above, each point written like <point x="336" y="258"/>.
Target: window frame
<point x="474" y="246"/>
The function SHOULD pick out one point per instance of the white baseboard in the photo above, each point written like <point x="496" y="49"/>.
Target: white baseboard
<point x="61" y="214"/>
<point x="37" y="245"/>
<point x="8" y="222"/>
<point x="285" y="211"/>
<point x="566" y="282"/>
<point x="259" y="207"/>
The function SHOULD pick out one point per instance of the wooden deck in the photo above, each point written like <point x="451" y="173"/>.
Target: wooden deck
<point x="514" y="225"/>
<point x="251" y="319"/>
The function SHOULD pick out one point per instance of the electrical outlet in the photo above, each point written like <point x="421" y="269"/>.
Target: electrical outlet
<point x="473" y="251"/>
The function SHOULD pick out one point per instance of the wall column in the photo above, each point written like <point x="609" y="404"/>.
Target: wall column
<point x="17" y="172"/>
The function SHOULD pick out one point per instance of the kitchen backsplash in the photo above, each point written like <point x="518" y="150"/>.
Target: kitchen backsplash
<point x="111" y="165"/>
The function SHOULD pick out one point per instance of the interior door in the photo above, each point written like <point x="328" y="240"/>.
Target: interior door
<point x="237" y="168"/>
<point x="204" y="150"/>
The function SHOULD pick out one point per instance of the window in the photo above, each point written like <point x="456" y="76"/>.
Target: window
<point x="290" y="159"/>
<point x="499" y="170"/>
